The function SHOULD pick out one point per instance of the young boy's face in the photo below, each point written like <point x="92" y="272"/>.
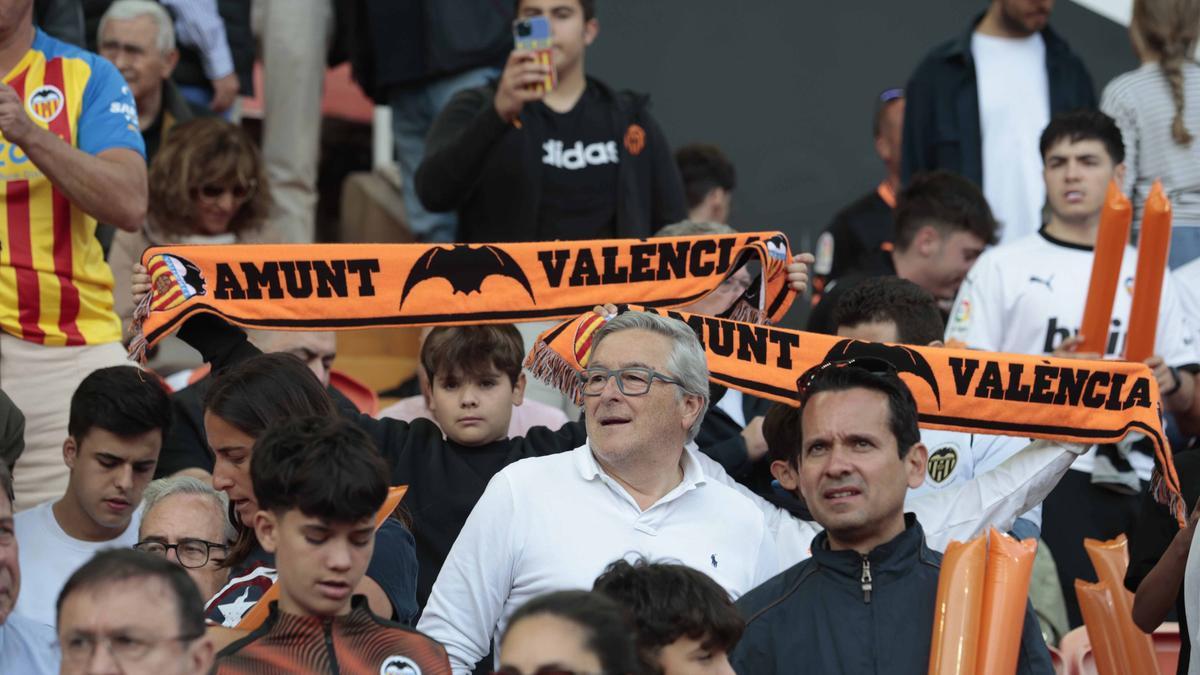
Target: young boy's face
<point x="1077" y="176"/>
<point x="688" y="656"/>
<point x="570" y="31"/>
<point x="319" y="562"/>
<point x="474" y="411"/>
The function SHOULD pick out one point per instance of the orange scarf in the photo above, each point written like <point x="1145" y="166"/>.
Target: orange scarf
<point x="955" y="389"/>
<point x="344" y="286"/>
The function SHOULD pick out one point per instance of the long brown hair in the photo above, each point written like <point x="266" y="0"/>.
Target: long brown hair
<point x="198" y="152"/>
<point x="1169" y="29"/>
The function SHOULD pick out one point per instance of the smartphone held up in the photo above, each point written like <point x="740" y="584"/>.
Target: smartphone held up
<point x="532" y="34"/>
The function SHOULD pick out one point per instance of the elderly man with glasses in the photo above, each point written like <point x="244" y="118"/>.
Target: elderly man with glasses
<point x="553" y="523"/>
<point x="184" y="520"/>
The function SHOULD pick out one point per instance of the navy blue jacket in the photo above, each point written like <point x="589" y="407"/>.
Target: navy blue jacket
<point x="842" y="613"/>
<point x="941" y="114"/>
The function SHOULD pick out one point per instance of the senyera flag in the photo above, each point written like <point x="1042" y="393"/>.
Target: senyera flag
<point x="1070" y="400"/>
<point x="347" y="286"/>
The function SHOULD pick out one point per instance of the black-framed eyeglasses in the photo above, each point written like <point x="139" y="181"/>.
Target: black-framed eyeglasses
<point x="124" y="648"/>
<point x="192" y="553"/>
<point x="872" y="365"/>
<point x="632" y="381"/>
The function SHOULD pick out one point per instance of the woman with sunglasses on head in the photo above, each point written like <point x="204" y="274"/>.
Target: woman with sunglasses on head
<point x="207" y="186"/>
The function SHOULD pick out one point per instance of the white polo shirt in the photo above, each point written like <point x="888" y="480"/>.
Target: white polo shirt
<point x="553" y="523"/>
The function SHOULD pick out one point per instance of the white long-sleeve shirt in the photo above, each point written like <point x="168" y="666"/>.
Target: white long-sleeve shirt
<point x="553" y="523"/>
<point x="960" y="512"/>
<point x="198" y="24"/>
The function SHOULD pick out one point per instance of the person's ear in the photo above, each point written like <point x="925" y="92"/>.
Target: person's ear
<point x="692" y="406"/>
<point x="914" y="464"/>
<point x="786" y="475"/>
<point x="590" y="30"/>
<point x="170" y="60"/>
<point x="70" y="452"/>
<point x="927" y="240"/>
<point x="518" y="392"/>
<point x="266" y="528"/>
<point x="883" y="149"/>
<point x="1119" y="173"/>
<point x="201" y="655"/>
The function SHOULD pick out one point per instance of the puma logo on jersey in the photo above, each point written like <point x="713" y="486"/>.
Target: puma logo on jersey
<point x="1034" y="279"/>
<point x="579" y="156"/>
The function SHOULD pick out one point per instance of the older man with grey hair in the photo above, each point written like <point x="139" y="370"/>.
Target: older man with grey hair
<point x="552" y="523"/>
<point x="185" y="521"/>
<point x="138" y="36"/>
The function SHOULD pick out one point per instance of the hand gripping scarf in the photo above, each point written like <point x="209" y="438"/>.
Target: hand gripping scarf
<point x="344" y="286"/>
<point x="955" y="389"/>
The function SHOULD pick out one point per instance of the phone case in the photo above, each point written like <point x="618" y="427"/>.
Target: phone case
<point x="533" y="34"/>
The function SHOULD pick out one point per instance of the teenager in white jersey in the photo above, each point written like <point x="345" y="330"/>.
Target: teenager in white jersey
<point x="1028" y="297"/>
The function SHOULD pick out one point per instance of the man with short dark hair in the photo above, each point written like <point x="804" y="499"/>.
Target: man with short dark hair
<point x="132" y="613"/>
<point x="977" y="103"/>
<point x="685" y="623"/>
<point x="864" y="227"/>
<point x="117" y="419"/>
<point x="319" y="483"/>
<point x="582" y="161"/>
<point x="1028" y="297"/>
<point x="943" y="223"/>
<point x="893" y="310"/>
<point x="865" y="601"/>
<point x="25" y="645"/>
<point x="708" y="182"/>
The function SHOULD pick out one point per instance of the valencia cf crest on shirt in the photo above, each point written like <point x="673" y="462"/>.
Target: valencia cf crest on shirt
<point x="45" y="103"/>
<point x="942" y="463"/>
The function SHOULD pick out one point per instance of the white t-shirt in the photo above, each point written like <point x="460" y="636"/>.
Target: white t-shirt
<point x="553" y="523"/>
<point x="49" y="556"/>
<point x="1187" y="283"/>
<point x="1028" y="296"/>
<point x="731" y="404"/>
<point x="1014" y="109"/>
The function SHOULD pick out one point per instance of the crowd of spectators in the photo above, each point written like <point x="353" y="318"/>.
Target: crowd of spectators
<point x="667" y="526"/>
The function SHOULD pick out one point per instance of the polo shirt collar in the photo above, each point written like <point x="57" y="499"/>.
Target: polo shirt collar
<point x="693" y="472"/>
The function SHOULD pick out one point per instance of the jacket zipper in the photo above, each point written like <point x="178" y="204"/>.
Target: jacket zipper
<point x="333" y="663"/>
<point x="866" y="579"/>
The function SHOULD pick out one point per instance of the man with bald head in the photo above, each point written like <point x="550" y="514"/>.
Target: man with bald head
<point x="185" y="449"/>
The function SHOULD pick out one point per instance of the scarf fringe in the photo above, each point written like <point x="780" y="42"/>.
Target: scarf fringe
<point x="748" y="313"/>
<point x="1168" y="495"/>
<point x="550" y="367"/>
<point x="138" y="345"/>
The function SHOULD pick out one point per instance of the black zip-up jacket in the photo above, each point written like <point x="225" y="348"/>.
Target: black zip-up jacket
<point x="358" y="642"/>
<point x="941" y="114"/>
<point x="490" y="171"/>
<point x="842" y="613"/>
<point x="444" y="479"/>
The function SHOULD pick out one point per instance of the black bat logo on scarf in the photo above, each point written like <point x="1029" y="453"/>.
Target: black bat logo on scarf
<point x="903" y="359"/>
<point x="466" y="269"/>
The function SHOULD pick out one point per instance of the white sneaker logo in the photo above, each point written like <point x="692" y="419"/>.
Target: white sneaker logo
<point x="579" y="156"/>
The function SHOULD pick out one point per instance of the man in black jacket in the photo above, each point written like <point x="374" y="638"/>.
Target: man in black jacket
<point x="864" y="602"/>
<point x="582" y="161"/>
<point x="977" y="104"/>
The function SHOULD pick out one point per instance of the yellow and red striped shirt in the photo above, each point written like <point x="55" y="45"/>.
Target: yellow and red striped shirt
<point x="55" y="287"/>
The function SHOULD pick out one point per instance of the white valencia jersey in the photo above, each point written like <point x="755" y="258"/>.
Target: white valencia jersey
<point x="1028" y="296"/>
<point x="956" y="457"/>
